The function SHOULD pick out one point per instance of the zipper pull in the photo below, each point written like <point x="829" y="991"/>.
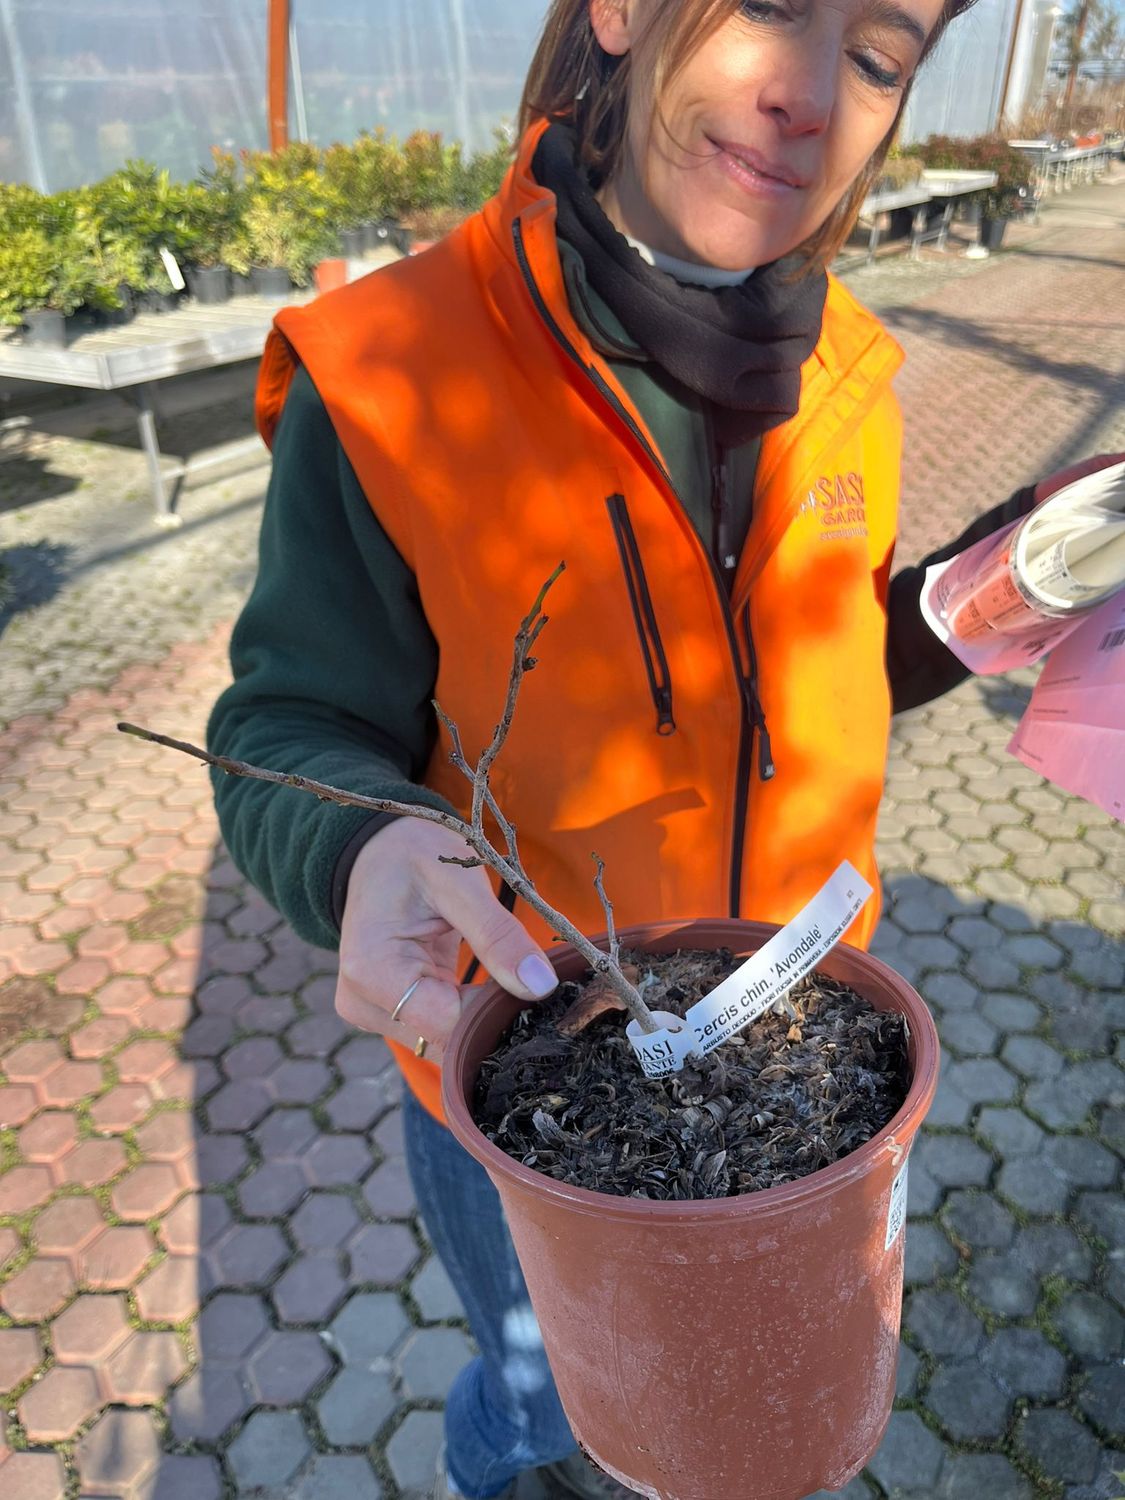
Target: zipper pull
<point x="766" y="768"/>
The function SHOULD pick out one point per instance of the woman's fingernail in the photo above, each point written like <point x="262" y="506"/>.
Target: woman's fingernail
<point x="536" y="975"/>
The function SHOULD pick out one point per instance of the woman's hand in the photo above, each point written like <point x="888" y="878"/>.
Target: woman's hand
<point x="404" y="918"/>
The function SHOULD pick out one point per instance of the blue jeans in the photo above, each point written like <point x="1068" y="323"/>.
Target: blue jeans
<point x="503" y="1414"/>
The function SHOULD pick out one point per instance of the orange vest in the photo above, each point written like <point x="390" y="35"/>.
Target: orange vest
<point x="492" y="442"/>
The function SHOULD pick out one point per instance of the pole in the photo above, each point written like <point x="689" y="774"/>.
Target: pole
<point x="461" y="74"/>
<point x="25" y="112"/>
<point x="277" y="75"/>
<point x="1076" y="51"/>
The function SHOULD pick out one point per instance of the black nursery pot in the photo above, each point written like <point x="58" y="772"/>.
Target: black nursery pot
<point x="159" y="302"/>
<point x="209" y="284"/>
<point x="240" y="285"/>
<point x="992" y="232"/>
<point x="271" y="281"/>
<point x="353" y="242"/>
<point x="45" y="328"/>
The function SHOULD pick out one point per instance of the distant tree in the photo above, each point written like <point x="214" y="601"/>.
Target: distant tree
<point x="1092" y="32"/>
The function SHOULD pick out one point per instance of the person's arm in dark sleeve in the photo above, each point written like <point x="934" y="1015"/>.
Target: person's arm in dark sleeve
<point x="334" y="667"/>
<point x="919" y="666"/>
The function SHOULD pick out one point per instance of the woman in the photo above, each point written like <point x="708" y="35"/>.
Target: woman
<point x="632" y="360"/>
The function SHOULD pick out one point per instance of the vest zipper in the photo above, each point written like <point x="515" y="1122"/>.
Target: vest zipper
<point x="507" y="898"/>
<point x="644" y="616"/>
<point x="748" y="697"/>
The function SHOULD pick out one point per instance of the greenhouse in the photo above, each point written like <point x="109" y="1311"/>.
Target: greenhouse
<point x="83" y="89"/>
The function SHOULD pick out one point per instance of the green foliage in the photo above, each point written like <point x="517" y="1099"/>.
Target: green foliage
<point x="39" y="270"/>
<point x="982" y="153"/>
<point x="282" y="209"/>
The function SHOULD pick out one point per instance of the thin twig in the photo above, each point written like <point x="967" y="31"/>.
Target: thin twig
<point x="607" y="906"/>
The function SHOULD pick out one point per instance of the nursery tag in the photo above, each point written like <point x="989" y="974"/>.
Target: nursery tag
<point x="752" y="989"/>
<point x="172" y="266"/>
<point x="896" y="1213"/>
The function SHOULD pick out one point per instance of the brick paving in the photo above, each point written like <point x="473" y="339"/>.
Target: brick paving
<point x="211" y="1279"/>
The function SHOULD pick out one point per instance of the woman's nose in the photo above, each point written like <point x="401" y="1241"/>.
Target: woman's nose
<point x="801" y="97"/>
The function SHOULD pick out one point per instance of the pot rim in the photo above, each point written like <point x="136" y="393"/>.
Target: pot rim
<point x="923" y="1049"/>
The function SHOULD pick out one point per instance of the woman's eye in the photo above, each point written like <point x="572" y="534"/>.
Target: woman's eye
<point x="761" y="10"/>
<point x="883" y="78"/>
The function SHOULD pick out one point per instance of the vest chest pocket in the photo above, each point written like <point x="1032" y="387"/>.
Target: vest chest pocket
<point x="644" y="615"/>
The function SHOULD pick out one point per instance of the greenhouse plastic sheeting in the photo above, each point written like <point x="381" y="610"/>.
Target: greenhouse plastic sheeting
<point x="85" y="85"/>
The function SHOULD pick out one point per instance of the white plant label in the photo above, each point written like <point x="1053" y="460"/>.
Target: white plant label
<point x="896" y="1213"/>
<point x="764" y="978"/>
<point x="172" y="266"/>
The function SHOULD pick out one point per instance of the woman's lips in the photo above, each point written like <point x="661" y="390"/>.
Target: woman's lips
<point x="754" y="173"/>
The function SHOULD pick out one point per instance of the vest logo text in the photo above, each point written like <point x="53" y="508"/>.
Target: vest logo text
<point x="837" y="501"/>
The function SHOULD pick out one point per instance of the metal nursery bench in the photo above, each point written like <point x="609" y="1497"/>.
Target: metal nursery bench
<point x="133" y="358"/>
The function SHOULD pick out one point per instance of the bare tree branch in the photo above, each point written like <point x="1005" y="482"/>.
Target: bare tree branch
<point x="508" y="867"/>
<point x="607" y="906"/>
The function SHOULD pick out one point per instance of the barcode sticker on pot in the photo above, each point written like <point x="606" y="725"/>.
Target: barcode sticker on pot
<point x="896" y="1213"/>
<point x="763" y="979"/>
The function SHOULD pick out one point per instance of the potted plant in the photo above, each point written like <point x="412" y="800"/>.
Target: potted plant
<point x="343" y="173"/>
<point x="986" y="153"/>
<point x="211" y="214"/>
<point x="720" y="1311"/>
<point x="288" y="222"/>
<point x="141" y="212"/>
<point x="43" y="280"/>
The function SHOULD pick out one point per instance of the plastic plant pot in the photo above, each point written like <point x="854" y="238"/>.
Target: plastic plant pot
<point x="720" y="1348"/>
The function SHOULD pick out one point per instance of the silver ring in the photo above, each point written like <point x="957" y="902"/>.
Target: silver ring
<point x="406" y="997"/>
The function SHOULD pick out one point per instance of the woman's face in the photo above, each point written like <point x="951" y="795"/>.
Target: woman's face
<point x="767" y="126"/>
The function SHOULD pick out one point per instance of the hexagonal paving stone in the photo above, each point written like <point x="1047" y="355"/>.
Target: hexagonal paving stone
<point x="143" y="1369"/>
<point x="40" y="1289"/>
<point x="1102" y="1398"/>
<point x="56" y="1406"/>
<point x="1009" y="1131"/>
<point x="368" y="1329"/>
<point x="67" y="1226"/>
<point x="285" y="1133"/>
<point x="336" y="1161"/>
<point x="430" y="1362"/>
<point x="968" y="1403"/>
<point x="910" y="1456"/>
<point x="269" y="1450"/>
<point x="1059" y="1445"/>
<point x="287" y="1367"/>
<point x="953" y="1160"/>
<point x="195" y="1223"/>
<point x="20" y="1354"/>
<point x="1030" y="1187"/>
<point x="1091" y="1326"/>
<point x="115" y="1258"/>
<point x="381" y="1254"/>
<point x="323" y="1221"/>
<point x="310" y="1290"/>
<point x="49" y="1136"/>
<point x="1082" y="1162"/>
<point x="93" y="1163"/>
<point x="977" y="1220"/>
<point x="147" y="1191"/>
<point x="89" y="1330"/>
<point x="230" y="1326"/>
<point x="247" y="1255"/>
<point x="24" y="1188"/>
<point x="983" y="1080"/>
<point x="906" y="1374"/>
<point x="182" y="1476"/>
<point x="209" y="1401"/>
<point x="981" y="1476"/>
<point x="389" y="1192"/>
<point x="942" y="1323"/>
<point x="34" y="1476"/>
<point x="339" y="1476"/>
<point x="1025" y="1363"/>
<point x="361" y="1101"/>
<point x="174" y="1290"/>
<point x="413" y="1450"/>
<point x="437" y="1299"/>
<point x="1003" y="1286"/>
<point x="271" y="1191"/>
<point x="118" y="1452"/>
<point x="355" y="1406"/>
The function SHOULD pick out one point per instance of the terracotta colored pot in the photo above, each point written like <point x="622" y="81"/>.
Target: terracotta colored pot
<point x="739" y="1349"/>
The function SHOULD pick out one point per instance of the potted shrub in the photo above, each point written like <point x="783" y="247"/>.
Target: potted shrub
<point x="711" y="1334"/>
<point x="43" y="280"/>
<point x="142" y="212"/>
<point x="288" y="222"/>
<point x="344" y="175"/>
<point x="986" y="153"/>
<point x="212" y="210"/>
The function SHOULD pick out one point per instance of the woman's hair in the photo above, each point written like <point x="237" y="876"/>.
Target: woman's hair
<point x="572" y="78"/>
